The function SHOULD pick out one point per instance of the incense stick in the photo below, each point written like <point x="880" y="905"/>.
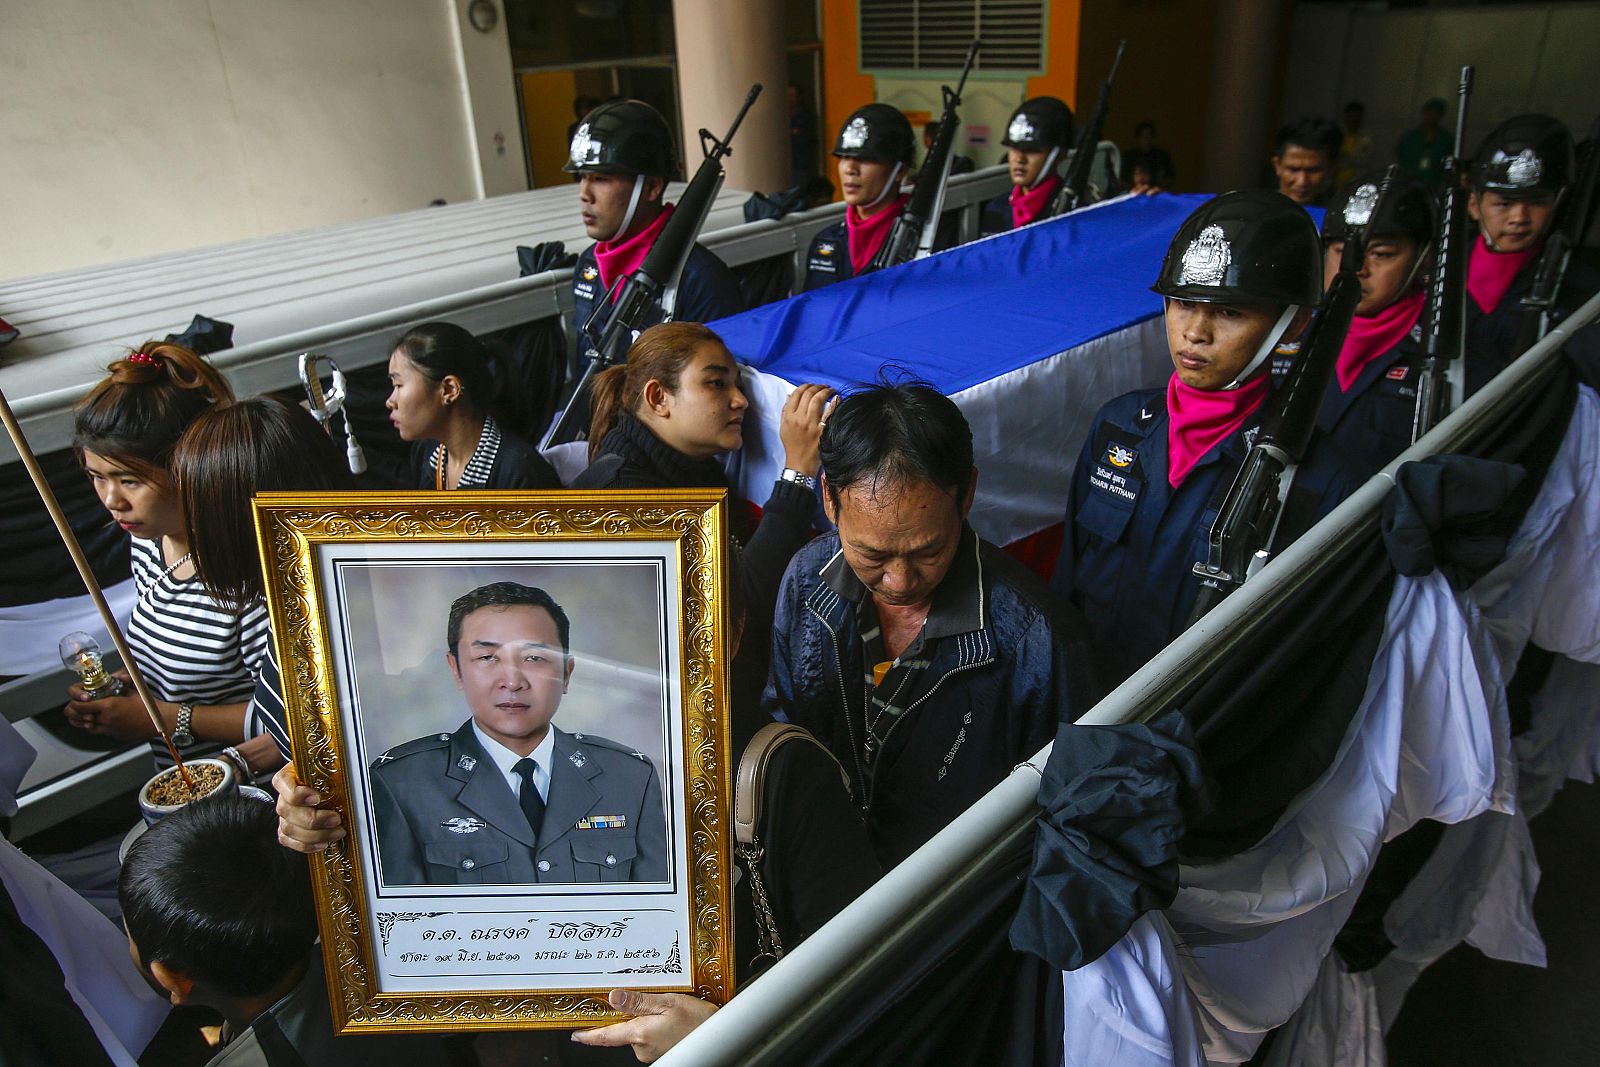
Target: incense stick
<point x="86" y="573"/>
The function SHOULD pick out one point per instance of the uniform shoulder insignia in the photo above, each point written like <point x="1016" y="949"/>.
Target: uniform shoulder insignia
<point x="593" y="742"/>
<point x="412" y="747"/>
<point x="1145" y="417"/>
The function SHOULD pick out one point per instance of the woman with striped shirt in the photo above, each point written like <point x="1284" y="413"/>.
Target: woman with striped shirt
<point x="198" y="656"/>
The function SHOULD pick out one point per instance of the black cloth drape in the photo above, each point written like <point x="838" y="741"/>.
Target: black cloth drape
<point x="40" y="1024"/>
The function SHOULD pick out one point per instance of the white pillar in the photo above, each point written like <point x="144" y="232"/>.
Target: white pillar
<point x="723" y="47"/>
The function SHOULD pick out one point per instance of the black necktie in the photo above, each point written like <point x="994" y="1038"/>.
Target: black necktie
<point x="528" y="796"/>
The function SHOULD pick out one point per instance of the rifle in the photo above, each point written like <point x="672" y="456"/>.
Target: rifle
<point x="653" y="288"/>
<point x="1075" y="186"/>
<point x="1566" y="233"/>
<point x="1444" y="341"/>
<point x="913" y="232"/>
<point x="1240" y="540"/>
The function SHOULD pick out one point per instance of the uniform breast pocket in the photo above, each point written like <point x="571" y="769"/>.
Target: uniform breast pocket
<point x="1105" y="516"/>
<point x="603" y="857"/>
<point x="466" y="862"/>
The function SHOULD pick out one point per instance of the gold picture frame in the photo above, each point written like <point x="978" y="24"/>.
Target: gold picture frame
<point x="356" y="584"/>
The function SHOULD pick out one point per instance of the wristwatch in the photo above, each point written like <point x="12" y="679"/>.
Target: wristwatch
<point x="791" y="475"/>
<point x="182" y="735"/>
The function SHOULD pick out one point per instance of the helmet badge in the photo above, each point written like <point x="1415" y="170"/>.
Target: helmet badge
<point x="1524" y="169"/>
<point x="1358" y="212"/>
<point x="855" y="134"/>
<point x="1021" y="129"/>
<point x="1205" y="261"/>
<point x="585" y="150"/>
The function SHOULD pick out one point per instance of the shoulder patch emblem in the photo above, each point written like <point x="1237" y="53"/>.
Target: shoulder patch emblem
<point x="825" y="248"/>
<point x="1121" y="456"/>
<point x="466" y="763"/>
<point x="854" y="135"/>
<point x="1205" y="261"/>
<point x="578" y="759"/>
<point x="591" y="273"/>
<point x="1020" y="129"/>
<point x="463" y="826"/>
<point x="1398" y="374"/>
<point x="1524" y="169"/>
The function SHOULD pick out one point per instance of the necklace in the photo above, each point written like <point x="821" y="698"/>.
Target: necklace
<point x="185" y="558"/>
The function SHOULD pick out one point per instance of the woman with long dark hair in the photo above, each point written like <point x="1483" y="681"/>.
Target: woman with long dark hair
<point x="448" y="394"/>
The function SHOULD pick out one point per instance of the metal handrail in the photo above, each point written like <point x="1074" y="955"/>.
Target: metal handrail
<point x="816" y="977"/>
<point x="271" y="364"/>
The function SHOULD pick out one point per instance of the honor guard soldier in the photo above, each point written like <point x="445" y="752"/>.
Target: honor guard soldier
<point x="875" y="149"/>
<point x="1520" y="176"/>
<point x="1038" y="139"/>
<point x="1369" y="407"/>
<point x="1243" y="271"/>
<point x="622" y="153"/>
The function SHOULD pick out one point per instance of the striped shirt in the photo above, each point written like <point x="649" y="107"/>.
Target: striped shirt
<point x="475" y="475"/>
<point x="189" y="648"/>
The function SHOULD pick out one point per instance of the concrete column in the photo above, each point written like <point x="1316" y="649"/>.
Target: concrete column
<point x="723" y="47"/>
<point x="1244" y="62"/>
<point x="489" y="91"/>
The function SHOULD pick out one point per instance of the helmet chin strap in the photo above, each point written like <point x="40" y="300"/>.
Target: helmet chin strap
<point x="633" y="205"/>
<point x="1268" y="343"/>
<point x="1048" y="168"/>
<point x="890" y="186"/>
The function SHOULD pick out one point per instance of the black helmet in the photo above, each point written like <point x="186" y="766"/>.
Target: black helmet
<point x="623" y="137"/>
<point x="1529" y="155"/>
<point x="877" y="132"/>
<point x="1039" y="125"/>
<point x="1250" y="245"/>
<point x="1409" y="210"/>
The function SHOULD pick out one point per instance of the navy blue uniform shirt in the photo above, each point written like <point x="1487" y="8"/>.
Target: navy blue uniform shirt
<point x="1372" y="422"/>
<point x="1492" y="338"/>
<point x="1132" y="540"/>
<point x="828" y="259"/>
<point x="708" y="290"/>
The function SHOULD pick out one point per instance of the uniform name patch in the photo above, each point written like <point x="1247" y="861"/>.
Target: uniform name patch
<point x="603" y="822"/>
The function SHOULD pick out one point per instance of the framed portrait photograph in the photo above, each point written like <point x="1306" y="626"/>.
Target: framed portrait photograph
<point x="516" y="702"/>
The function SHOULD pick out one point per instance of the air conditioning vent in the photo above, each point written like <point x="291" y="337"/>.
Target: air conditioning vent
<point x="933" y="34"/>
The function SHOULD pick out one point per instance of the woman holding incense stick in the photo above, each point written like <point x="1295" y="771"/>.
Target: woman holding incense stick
<point x="198" y="656"/>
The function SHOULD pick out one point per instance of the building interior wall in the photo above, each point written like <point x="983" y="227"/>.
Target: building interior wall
<point x="135" y="129"/>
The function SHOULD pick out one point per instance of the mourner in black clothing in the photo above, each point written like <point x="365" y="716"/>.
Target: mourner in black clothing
<point x="875" y="148"/>
<point x="623" y="155"/>
<point x="662" y="418"/>
<point x="1303" y="159"/>
<point x="444" y="392"/>
<point x="1147" y="168"/>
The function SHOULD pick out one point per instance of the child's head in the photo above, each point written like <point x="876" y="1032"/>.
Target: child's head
<point x="217" y="910"/>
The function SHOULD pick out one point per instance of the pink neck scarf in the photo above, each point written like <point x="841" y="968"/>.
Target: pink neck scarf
<point x="1489" y="273"/>
<point x="867" y="235"/>
<point x="1029" y="204"/>
<point x="1373" y="335"/>
<point x="1197" y="419"/>
<point x="618" y="259"/>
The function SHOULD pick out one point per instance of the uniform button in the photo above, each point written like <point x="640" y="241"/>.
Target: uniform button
<point x="467" y="864"/>
<point x="544" y="865"/>
<point x="611" y="861"/>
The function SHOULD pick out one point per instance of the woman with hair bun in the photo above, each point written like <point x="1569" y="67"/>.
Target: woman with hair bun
<point x="197" y="654"/>
<point x="445" y="393"/>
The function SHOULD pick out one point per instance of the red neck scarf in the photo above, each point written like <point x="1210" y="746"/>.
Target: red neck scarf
<point x="618" y="259"/>
<point x="867" y="235"/>
<point x="1373" y="335"/>
<point x="1197" y="419"/>
<point x="1029" y="204"/>
<point x="1489" y="273"/>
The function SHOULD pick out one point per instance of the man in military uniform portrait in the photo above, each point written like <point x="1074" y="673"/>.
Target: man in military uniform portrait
<point x="509" y="797"/>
